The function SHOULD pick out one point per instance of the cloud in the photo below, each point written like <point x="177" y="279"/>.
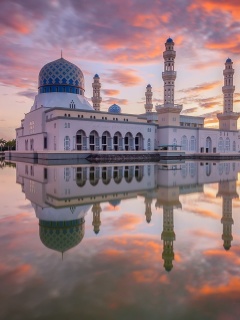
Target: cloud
<point x="28" y="94"/>
<point x="202" y="212"/>
<point x="127" y="221"/>
<point x="126" y="78"/>
<point x="110" y="92"/>
<point x="111" y="101"/>
<point x="201" y="87"/>
<point x="189" y="110"/>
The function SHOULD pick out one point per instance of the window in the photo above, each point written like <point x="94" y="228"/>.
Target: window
<point x="66" y="143"/>
<point x="45" y="143"/>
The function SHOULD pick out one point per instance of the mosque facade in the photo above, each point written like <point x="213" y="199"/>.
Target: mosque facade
<point x="61" y="118"/>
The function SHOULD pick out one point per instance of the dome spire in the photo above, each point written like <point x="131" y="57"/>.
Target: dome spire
<point x="61" y="54"/>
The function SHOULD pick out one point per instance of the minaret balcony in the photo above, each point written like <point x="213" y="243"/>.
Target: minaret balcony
<point x="228" y="89"/>
<point x="169" y="107"/>
<point x="169" y="75"/>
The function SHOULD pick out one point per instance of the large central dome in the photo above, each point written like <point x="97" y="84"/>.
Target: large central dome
<point x="61" y="76"/>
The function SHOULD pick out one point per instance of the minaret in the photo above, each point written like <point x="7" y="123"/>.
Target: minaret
<point x="228" y="119"/>
<point x="148" y="105"/>
<point x="148" y="211"/>
<point x="96" y="98"/>
<point x="168" y="236"/>
<point x="227" y="190"/>
<point x="168" y="113"/>
<point x="96" y="210"/>
<point x="168" y="199"/>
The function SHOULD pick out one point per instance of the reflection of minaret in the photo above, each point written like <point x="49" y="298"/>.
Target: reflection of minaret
<point x="148" y="211"/>
<point x="168" y="199"/>
<point x="96" y="209"/>
<point x="168" y="236"/>
<point x="227" y="190"/>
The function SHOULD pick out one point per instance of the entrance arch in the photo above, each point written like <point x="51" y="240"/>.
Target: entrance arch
<point x="93" y="140"/>
<point x="128" y="141"/>
<point x="139" y="141"/>
<point x="117" y="141"/>
<point x="81" y="140"/>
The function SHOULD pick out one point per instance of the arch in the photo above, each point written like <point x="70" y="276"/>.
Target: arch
<point x="117" y="174"/>
<point x="93" y="176"/>
<point x="93" y="140"/>
<point x="106" y="141"/>
<point x="227" y="168"/>
<point x="81" y="140"/>
<point x="81" y="176"/>
<point x="139" y="173"/>
<point x="139" y="142"/>
<point x="184" y="143"/>
<point x="128" y="173"/>
<point x="208" y="145"/>
<point x="208" y="169"/>
<point x="192" y="169"/>
<point x="66" y="143"/>
<point x="192" y="145"/>
<point x="128" y="141"/>
<point x="227" y="144"/>
<point x="220" y="169"/>
<point x="184" y="170"/>
<point x="220" y="145"/>
<point x="106" y="175"/>
<point x="117" y="141"/>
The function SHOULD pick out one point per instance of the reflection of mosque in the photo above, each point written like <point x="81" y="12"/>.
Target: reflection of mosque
<point x="63" y="195"/>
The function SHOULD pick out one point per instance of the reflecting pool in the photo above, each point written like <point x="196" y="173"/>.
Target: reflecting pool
<point x="120" y="241"/>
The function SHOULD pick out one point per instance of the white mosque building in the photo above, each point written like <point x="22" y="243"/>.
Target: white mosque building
<point x="62" y="120"/>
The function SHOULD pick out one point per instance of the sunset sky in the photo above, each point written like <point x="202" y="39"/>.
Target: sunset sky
<point x="123" y="42"/>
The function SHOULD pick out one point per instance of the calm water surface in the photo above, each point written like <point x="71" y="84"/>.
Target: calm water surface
<point x="128" y="241"/>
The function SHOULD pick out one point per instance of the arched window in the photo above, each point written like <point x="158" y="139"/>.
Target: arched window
<point x="208" y="145"/>
<point x="184" y="143"/>
<point x="149" y="144"/>
<point x="220" y="144"/>
<point x="106" y="141"/>
<point x="227" y="144"/>
<point x="117" y="141"/>
<point x="174" y="144"/>
<point x="81" y="140"/>
<point x="66" y="143"/>
<point x="192" y="143"/>
<point x="234" y="145"/>
<point x="128" y="141"/>
<point x="139" y="141"/>
<point x="94" y="140"/>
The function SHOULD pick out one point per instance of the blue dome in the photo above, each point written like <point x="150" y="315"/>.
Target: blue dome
<point x="229" y="60"/>
<point x="58" y="74"/>
<point x="115" y="202"/>
<point x="114" y="109"/>
<point x="96" y="76"/>
<point x="169" y="40"/>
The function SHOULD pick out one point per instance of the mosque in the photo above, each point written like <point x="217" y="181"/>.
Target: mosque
<point x="61" y="118"/>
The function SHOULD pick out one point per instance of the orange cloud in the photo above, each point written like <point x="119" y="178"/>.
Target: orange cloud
<point x="127" y="221"/>
<point x="202" y="212"/>
<point x="110" y="92"/>
<point x="233" y="7"/>
<point x="126" y="78"/>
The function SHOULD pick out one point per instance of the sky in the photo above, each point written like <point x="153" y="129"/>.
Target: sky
<point x="123" y="42"/>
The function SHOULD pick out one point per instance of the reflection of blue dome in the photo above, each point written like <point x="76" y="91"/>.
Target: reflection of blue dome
<point x="169" y="40"/>
<point x="148" y="86"/>
<point x="115" y="203"/>
<point x="60" y="76"/>
<point x="114" y="109"/>
<point x="229" y="60"/>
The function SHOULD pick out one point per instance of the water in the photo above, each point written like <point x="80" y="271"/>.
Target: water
<point x="128" y="241"/>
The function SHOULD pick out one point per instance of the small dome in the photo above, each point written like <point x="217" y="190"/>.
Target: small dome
<point x="228" y="60"/>
<point x="115" y="202"/>
<point x="96" y="76"/>
<point x="169" y="40"/>
<point x="114" y="109"/>
<point x="149" y="86"/>
<point x="61" y="72"/>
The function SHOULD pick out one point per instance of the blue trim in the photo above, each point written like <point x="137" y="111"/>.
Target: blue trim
<point x="60" y="88"/>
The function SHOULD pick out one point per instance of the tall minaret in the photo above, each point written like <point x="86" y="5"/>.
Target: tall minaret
<point x="228" y="119"/>
<point x="148" y="94"/>
<point x="168" y="113"/>
<point x="96" y="210"/>
<point x="227" y="190"/>
<point x="148" y="211"/>
<point x="96" y="98"/>
<point x="168" y="236"/>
